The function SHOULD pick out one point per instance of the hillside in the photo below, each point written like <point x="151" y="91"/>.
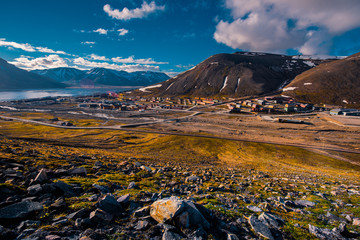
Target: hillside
<point x="336" y="82"/>
<point x="235" y="75"/>
<point x="12" y="77"/>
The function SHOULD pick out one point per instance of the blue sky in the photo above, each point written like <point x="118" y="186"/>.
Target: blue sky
<point x="170" y="35"/>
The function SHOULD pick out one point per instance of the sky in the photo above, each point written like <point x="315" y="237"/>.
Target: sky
<point x="170" y="36"/>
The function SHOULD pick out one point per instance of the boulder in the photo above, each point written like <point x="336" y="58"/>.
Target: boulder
<point x="132" y="185"/>
<point x="100" y="217"/>
<point x="109" y="204"/>
<point x="305" y="203"/>
<point x="271" y="220"/>
<point x="260" y="228"/>
<point x="254" y="208"/>
<point x="77" y="171"/>
<point x="34" y="189"/>
<point x="325" y="234"/>
<point x="168" y="235"/>
<point x="67" y="190"/>
<point x="41" y="177"/>
<point x="165" y="209"/>
<point x="192" y="178"/>
<point x="124" y="199"/>
<point x="19" y="210"/>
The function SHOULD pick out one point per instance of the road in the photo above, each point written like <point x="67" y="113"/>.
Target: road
<point x="120" y="128"/>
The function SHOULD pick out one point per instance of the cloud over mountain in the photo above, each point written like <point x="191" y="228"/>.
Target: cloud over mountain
<point x="277" y="25"/>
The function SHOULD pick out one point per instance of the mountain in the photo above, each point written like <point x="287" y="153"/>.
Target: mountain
<point x="235" y="75"/>
<point x="12" y="77"/>
<point x="103" y="76"/>
<point x="61" y="74"/>
<point x="336" y="82"/>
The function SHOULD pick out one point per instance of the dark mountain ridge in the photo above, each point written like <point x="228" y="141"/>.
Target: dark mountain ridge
<point x="12" y="77"/>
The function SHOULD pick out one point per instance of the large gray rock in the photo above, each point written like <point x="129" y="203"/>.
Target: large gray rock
<point x="100" y="217"/>
<point x="78" y="171"/>
<point x="109" y="204"/>
<point x="260" y="228"/>
<point x="67" y="190"/>
<point x="19" y="210"/>
<point x="168" y="235"/>
<point x="271" y="220"/>
<point x="254" y="208"/>
<point x="34" y="189"/>
<point x="326" y="234"/>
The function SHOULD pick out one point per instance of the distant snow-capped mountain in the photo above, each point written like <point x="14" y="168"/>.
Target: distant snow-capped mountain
<point x="103" y="76"/>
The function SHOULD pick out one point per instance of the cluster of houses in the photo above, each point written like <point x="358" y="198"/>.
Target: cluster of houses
<point x="273" y="105"/>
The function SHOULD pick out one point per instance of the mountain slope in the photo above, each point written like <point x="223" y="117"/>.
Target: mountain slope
<point x="336" y="82"/>
<point x="61" y="74"/>
<point x="103" y="76"/>
<point x="12" y="77"/>
<point x="235" y="75"/>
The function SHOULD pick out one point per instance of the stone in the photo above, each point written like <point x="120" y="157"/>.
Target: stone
<point x="356" y="221"/>
<point x="260" y="228"/>
<point x="271" y="220"/>
<point x="52" y="237"/>
<point x="77" y="171"/>
<point x="145" y="168"/>
<point x="101" y="217"/>
<point x="26" y="224"/>
<point x="165" y="209"/>
<point x="231" y="236"/>
<point x="305" y="203"/>
<point x="60" y="222"/>
<point x="41" y="176"/>
<point x="325" y="234"/>
<point x="78" y="214"/>
<point x="67" y="190"/>
<point x="19" y="210"/>
<point x="34" y="189"/>
<point x="168" y="235"/>
<point x="142" y="212"/>
<point x="191" y="217"/>
<point x="102" y="189"/>
<point x="192" y="178"/>
<point x="109" y="204"/>
<point x="124" y="199"/>
<point x="132" y="185"/>
<point x="142" y="225"/>
<point x="254" y="208"/>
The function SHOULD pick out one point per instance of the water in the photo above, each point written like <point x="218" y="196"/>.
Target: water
<point x="64" y="92"/>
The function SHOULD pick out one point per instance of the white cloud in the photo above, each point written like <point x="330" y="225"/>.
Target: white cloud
<point x="101" y="31"/>
<point x="122" y="31"/>
<point x="50" y="61"/>
<point x="131" y="59"/>
<point x="276" y="25"/>
<point x="97" y="57"/>
<point x="81" y="63"/>
<point x="88" y="43"/>
<point x="127" y="14"/>
<point x="28" y="48"/>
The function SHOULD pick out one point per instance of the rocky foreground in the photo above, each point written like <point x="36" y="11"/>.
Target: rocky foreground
<point x="95" y="197"/>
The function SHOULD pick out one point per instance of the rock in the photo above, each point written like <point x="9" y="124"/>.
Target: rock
<point x="26" y="224"/>
<point x="109" y="204"/>
<point x="41" y="177"/>
<point x="59" y="203"/>
<point x="77" y="171"/>
<point x="142" y="225"/>
<point x="231" y="236"/>
<point x="271" y="220"/>
<point x="192" y="178"/>
<point x="325" y="234"/>
<point x="101" y="217"/>
<point x="52" y="237"/>
<point x="78" y="214"/>
<point x="305" y="203"/>
<point x="35" y="189"/>
<point x="254" y="208"/>
<point x="260" y="228"/>
<point x="60" y="222"/>
<point x="356" y="221"/>
<point x="102" y="189"/>
<point x="67" y="190"/>
<point x="168" y="235"/>
<point x="19" y="210"/>
<point x="124" y="199"/>
<point x="165" y="209"/>
<point x="132" y="185"/>
<point x="145" y="168"/>
<point x="142" y="212"/>
<point x="183" y="213"/>
<point x="333" y="217"/>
